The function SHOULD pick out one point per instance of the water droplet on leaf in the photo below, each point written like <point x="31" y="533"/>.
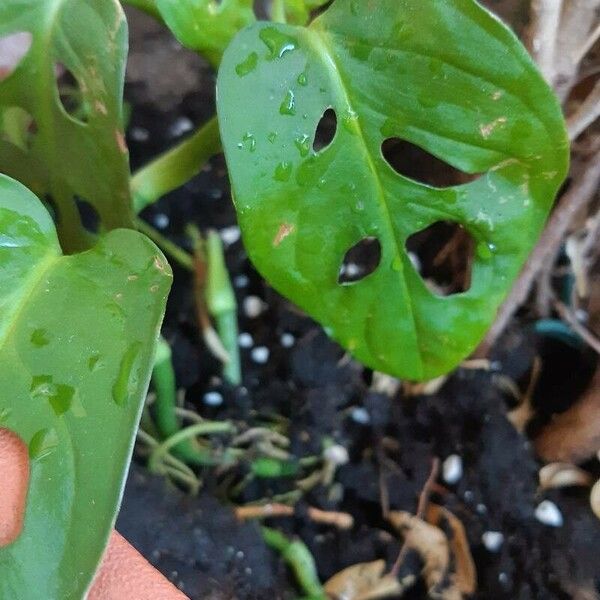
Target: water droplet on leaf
<point x="43" y="443"/>
<point x="128" y="377"/>
<point x="278" y="43"/>
<point x="303" y="144"/>
<point x="248" y="65"/>
<point x="283" y="171"/>
<point x="288" y="106"/>
<point x="39" y="338"/>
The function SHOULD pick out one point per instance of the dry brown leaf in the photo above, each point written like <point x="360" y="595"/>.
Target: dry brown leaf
<point x="364" y="581"/>
<point x="520" y="416"/>
<point x="431" y="544"/>
<point x="595" y="499"/>
<point x="466" y="574"/>
<point x="559" y="475"/>
<point x="573" y="436"/>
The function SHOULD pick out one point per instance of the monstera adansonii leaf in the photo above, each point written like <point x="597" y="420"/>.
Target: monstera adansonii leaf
<point x="447" y="77"/>
<point x="66" y="94"/>
<point x="77" y="338"/>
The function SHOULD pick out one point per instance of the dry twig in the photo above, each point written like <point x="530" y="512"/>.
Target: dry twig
<point x="543" y="35"/>
<point x="264" y="511"/>
<point x="585" y="334"/>
<point x="586" y="114"/>
<point x="573" y="436"/>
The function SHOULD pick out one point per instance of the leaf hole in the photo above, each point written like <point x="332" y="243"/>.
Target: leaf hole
<point x="360" y="261"/>
<point x="326" y="130"/>
<point x="90" y="219"/>
<point x="70" y="94"/>
<point x="13" y="48"/>
<point x="413" y="162"/>
<point x="443" y="255"/>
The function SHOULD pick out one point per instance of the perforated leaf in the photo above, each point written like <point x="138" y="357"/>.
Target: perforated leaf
<point x="71" y="145"/>
<point x="77" y="337"/>
<point x="445" y="76"/>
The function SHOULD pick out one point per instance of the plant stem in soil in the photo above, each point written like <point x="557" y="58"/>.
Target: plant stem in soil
<point x="176" y="166"/>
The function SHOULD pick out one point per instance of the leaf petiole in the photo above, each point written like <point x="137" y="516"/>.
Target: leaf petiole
<point x="175" y="167"/>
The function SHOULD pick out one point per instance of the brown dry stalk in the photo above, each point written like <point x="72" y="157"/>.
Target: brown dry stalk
<point x="543" y="35"/>
<point x="583" y="190"/>
<point x="336" y="519"/>
<point x="421" y="510"/>
<point x="573" y="436"/>
<point x="586" y="114"/>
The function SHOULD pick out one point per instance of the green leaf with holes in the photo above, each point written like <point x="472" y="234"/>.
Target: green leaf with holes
<point x="71" y="144"/>
<point x="206" y="26"/>
<point x="447" y="77"/>
<point x="77" y="338"/>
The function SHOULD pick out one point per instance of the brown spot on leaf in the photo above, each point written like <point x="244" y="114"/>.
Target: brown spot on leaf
<point x="487" y="130"/>
<point x="121" y="141"/>
<point x="285" y="230"/>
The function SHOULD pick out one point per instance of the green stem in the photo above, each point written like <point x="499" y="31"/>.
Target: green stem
<point x="167" y="421"/>
<point x="176" y="166"/>
<point x="163" y="381"/>
<point x="278" y="11"/>
<point x="222" y="305"/>
<point x="166" y="245"/>
<point x="206" y="428"/>
<point x="173" y="467"/>
<point x="300" y="560"/>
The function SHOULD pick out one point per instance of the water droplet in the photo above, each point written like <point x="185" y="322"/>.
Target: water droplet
<point x="94" y="362"/>
<point x="485" y="251"/>
<point x="4" y="414"/>
<point x="349" y="120"/>
<point x="249" y="142"/>
<point x="303" y="79"/>
<point x="128" y="377"/>
<point x="288" y="106"/>
<point x="60" y="396"/>
<point x="360" y="51"/>
<point x="359" y="206"/>
<point x="248" y="65"/>
<point x="402" y="31"/>
<point x="303" y="144"/>
<point x="43" y="443"/>
<point x="272" y="137"/>
<point x="39" y="338"/>
<point x="278" y="43"/>
<point x="283" y="171"/>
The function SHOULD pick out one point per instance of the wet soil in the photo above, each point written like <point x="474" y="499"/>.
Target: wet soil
<point x="316" y="393"/>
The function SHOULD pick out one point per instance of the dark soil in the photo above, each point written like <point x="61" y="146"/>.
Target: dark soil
<point x="319" y="393"/>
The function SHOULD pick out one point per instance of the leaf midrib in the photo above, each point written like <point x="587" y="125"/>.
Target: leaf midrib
<point x="324" y="52"/>
<point x="29" y="288"/>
